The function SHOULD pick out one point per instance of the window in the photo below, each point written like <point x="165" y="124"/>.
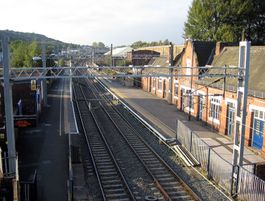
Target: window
<point x="258" y="128"/>
<point x="189" y="99"/>
<point x="160" y="84"/>
<point x="259" y="114"/>
<point x="188" y="64"/>
<point x="176" y="89"/>
<point x="154" y="83"/>
<point x="215" y="108"/>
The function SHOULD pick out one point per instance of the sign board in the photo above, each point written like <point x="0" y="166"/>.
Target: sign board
<point x="33" y="85"/>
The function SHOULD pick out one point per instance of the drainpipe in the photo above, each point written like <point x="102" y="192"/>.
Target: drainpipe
<point x="170" y="80"/>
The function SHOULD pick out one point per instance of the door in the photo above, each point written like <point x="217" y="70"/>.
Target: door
<point x="164" y="89"/>
<point x="150" y="84"/>
<point x="182" y="99"/>
<point x="230" y="119"/>
<point x="258" y="129"/>
<point x="200" y="110"/>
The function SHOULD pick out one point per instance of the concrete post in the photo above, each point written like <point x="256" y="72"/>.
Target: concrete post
<point x="241" y="113"/>
<point x="9" y="109"/>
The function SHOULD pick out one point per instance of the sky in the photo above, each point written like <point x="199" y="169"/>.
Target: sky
<point x="120" y="22"/>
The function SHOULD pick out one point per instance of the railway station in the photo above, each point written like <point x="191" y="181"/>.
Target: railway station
<point x="104" y="136"/>
<point x="132" y="100"/>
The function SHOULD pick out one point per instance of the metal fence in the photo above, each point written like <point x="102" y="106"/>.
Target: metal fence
<point x="250" y="186"/>
<point x="200" y="150"/>
<point x="220" y="170"/>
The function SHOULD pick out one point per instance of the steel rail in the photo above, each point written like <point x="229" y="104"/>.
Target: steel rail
<point x="159" y="186"/>
<point x="89" y="148"/>
<point x="123" y="179"/>
<point x="156" y="182"/>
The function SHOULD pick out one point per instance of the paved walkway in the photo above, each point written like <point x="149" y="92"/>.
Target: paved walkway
<point x="164" y="117"/>
<point x="45" y="148"/>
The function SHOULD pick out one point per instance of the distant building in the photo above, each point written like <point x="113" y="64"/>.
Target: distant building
<point x="119" y="55"/>
<point x="141" y="57"/>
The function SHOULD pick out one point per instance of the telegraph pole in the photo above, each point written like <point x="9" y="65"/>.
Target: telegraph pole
<point x="44" y="81"/>
<point x="241" y="113"/>
<point x="9" y="119"/>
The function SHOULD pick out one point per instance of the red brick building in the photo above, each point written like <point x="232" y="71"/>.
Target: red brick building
<point x="209" y="101"/>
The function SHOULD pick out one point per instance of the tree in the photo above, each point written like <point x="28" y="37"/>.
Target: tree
<point x="98" y="45"/>
<point x="61" y="62"/>
<point x="139" y="43"/>
<point x="17" y="53"/>
<point x="225" y="20"/>
<point x="23" y="52"/>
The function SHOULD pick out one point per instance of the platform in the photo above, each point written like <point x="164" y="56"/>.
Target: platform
<point x="45" y="148"/>
<point x="164" y="117"/>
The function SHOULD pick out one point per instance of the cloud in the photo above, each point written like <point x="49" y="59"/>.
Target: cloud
<point x="84" y="21"/>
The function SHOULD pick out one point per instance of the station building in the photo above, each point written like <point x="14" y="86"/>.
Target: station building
<point x="213" y="100"/>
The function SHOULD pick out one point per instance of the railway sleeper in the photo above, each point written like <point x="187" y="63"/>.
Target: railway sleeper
<point x="148" y="155"/>
<point x="160" y="168"/>
<point x="118" y="196"/>
<point x="103" y="161"/>
<point x="152" y="162"/>
<point x="182" y="197"/>
<point x="114" y="190"/>
<point x="109" y="173"/>
<point x="105" y="170"/>
<point x="167" y="179"/>
<point x="110" y="177"/>
<point x="113" y="181"/>
<point x="174" y="192"/>
<point x="150" y="159"/>
<point x="158" y="172"/>
<point x="102" y="157"/>
<point x="107" y="167"/>
<point x="112" y="186"/>
<point x="163" y="175"/>
<point x="123" y="199"/>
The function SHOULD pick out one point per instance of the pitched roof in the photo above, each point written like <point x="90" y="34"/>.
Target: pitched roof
<point x="205" y="51"/>
<point x="120" y="52"/>
<point x="229" y="56"/>
<point x="163" y="61"/>
<point x="159" y="61"/>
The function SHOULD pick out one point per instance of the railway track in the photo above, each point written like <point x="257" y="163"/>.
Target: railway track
<point x="164" y="178"/>
<point x="112" y="183"/>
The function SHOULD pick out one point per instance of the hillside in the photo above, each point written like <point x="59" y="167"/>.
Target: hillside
<point x="15" y="35"/>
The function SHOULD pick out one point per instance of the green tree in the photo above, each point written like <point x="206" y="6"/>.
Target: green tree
<point x="22" y="54"/>
<point x="225" y="20"/>
<point x="98" y="45"/>
<point x="101" y="45"/>
<point x="61" y="62"/>
<point x="139" y="43"/>
<point x="18" y="49"/>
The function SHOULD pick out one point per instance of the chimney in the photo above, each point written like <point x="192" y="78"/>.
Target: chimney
<point x="218" y="48"/>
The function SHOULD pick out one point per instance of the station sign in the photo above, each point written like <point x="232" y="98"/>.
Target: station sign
<point x="33" y="85"/>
